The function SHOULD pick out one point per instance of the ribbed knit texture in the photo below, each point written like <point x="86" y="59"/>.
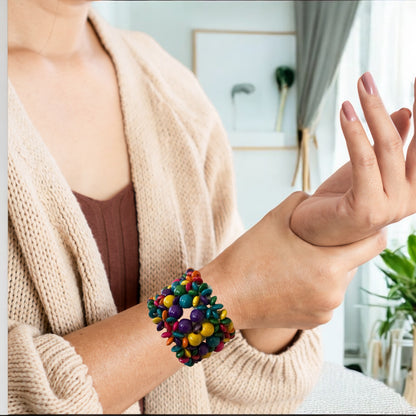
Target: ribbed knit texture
<point x="181" y="168"/>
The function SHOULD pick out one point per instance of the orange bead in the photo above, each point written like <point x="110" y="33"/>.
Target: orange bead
<point x="185" y="342"/>
<point x="196" y="273"/>
<point x="169" y="341"/>
<point x="164" y="315"/>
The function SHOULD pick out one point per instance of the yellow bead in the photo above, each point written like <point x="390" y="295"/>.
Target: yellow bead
<point x="207" y="355"/>
<point x="231" y="327"/>
<point x="156" y="320"/>
<point x="169" y="286"/>
<point x="207" y="329"/>
<point x="194" y="339"/>
<point x="223" y="314"/>
<point x="188" y="353"/>
<point x="168" y="301"/>
<point x="225" y="340"/>
<point x="195" y="301"/>
<point x="184" y="282"/>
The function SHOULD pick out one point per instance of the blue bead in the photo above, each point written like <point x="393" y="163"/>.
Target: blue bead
<point x="153" y="312"/>
<point x="185" y="301"/>
<point x="178" y="334"/>
<point x="189" y="363"/>
<point x="214" y="314"/>
<point x="201" y="307"/>
<point x="217" y="306"/>
<point x="213" y="341"/>
<point x="195" y="286"/>
<point x="206" y="292"/>
<point x="208" y="313"/>
<point x="176" y="348"/>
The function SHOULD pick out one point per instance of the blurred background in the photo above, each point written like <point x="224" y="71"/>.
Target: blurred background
<point x="235" y="48"/>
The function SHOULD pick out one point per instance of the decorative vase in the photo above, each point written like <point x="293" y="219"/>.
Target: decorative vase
<point x="410" y="386"/>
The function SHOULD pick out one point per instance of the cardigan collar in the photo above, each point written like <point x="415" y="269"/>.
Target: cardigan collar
<point x="48" y="190"/>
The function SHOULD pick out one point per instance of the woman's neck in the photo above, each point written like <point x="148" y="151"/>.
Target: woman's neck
<point x="55" y="29"/>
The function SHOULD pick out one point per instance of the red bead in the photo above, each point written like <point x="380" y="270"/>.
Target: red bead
<point x="223" y="328"/>
<point x="166" y="335"/>
<point x="198" y="280"/>
<point x="168" y="327"/>
<point x="175" y="326"/>
<point x="184" y="360"/>
<point x="219" y="347"/>
<point x="188" y="286"/>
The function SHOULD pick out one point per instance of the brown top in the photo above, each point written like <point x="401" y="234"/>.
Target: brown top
<point x="113" y="223"/>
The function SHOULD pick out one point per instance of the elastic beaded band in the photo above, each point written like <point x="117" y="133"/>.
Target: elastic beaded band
<point x="208" y="328"/>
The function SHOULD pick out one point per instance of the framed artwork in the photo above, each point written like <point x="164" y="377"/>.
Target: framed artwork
<point x="237" y="71"/>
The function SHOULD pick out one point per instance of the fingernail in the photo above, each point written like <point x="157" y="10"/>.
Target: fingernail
<point x="369" y="84"/>
<point x="349" y="111"/>
<point x="409" y="113"/>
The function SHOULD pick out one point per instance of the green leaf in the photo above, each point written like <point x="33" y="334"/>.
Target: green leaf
<point x="411" y="246"/>
<point x="285" y="76"/>
<point x="398" y="262"/>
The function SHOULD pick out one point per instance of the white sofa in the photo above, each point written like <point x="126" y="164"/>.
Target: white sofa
<point x="340" y="390"/>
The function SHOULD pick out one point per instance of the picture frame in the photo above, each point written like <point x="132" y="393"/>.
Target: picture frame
<point x="236" y="69"/>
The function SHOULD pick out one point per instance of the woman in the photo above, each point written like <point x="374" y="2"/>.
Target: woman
<point x="100" y="116"/>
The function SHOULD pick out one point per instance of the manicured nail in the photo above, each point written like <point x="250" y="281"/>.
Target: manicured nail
<point x="369" y="84"/>
<point x="349" y="111"/>
<point x="409" y="113"/>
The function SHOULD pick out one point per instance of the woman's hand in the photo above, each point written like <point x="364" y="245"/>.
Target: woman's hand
<point x="271" y="278"/>
<point x="377" y="188"/>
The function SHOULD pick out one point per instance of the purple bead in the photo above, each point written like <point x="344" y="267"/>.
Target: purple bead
<point x="160" y="325"/>
<point x="176" y="300"/>
<point x="197" y="327"/>
<point x="178" y="341"/>
<point x="203" y="349"/>
<point x="163" y="307"/>
<point x="197" y="315"/>
<point x="166" y="292"/>
<point x="204" y="300"/>
<point x="185" y="326"/>
<point x="175" y="311"/>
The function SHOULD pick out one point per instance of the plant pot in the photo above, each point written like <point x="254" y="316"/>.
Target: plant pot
<point x="410" y="386"/>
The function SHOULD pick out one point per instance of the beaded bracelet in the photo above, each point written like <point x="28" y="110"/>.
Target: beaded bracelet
<point x="208" y="328"/>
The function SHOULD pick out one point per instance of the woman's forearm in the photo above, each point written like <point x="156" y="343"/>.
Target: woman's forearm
<point x="125" y="356"/>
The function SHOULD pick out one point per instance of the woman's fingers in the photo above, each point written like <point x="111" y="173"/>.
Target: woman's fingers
<point x="401" y="120"/>
<point x="362" y="251"/>
<point x="387" y="142"/>
<point x="366" y="179"/>
<point x="411" y="151"/>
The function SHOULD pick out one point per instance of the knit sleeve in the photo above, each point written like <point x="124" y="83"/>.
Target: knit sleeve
<point x="240" y="378"/>
<point x="46" y="375"/>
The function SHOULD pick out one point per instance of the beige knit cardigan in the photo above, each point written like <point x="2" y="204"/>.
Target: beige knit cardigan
<point x="181" y="167"/>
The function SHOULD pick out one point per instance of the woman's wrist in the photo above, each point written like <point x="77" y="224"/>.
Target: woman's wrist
<point x="270" y="340"/>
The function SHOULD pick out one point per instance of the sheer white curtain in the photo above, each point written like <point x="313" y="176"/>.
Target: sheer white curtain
<point x="382" y="42"/>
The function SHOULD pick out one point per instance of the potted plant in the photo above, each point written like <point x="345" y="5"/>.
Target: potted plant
<point x="400" y="274"/>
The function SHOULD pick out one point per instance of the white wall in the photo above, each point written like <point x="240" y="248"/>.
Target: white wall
<point x="171" y="23"/>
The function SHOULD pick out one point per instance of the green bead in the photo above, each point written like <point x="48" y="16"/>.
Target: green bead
<point x="219" y="334"/>
<point x="203" y="287"/>
<point x="226" y="321"/>
<point x="213" y="321"/>
<point x="180" y="353"/>
<point x="192" y="293"/>
<point x="179" y="290"/>
<point x="213" y="300"/>
<point x="216" y="327"/>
